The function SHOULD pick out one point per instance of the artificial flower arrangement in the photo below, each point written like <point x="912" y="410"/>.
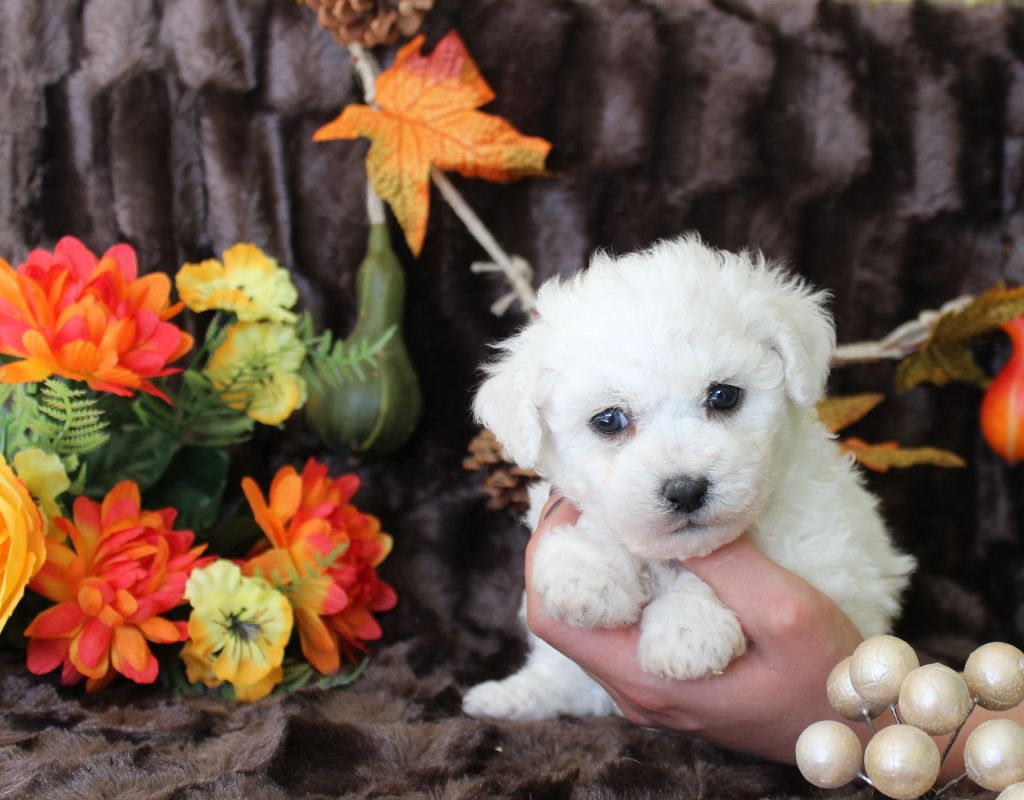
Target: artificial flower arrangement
<point x="112" y="457"/>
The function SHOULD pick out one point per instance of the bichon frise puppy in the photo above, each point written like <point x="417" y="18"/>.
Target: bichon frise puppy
<point x="670" y="394"/>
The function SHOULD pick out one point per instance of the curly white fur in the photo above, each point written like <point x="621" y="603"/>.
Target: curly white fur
<point x="649" y="333"/>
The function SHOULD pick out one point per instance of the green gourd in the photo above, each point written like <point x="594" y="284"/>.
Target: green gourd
<point x="375" y="415"/>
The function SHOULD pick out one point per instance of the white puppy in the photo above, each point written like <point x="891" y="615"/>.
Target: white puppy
<point x="670" y="394"/>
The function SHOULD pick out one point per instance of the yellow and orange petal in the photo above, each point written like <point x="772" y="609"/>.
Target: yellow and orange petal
<point x="87" y="319"/>
<point x="256" y="369"/>
<point x="22" y="540"/>
<point x="248" y="283"/>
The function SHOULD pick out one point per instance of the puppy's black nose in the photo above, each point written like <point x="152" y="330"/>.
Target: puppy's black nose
<point x="685" y="494"/>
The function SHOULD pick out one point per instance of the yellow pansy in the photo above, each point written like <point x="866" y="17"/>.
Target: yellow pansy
<point x="256" y="369"/>
<point x="238" y="630"/>
<point x="22" y="546"/>
<point x="248" y="283"/>
<point x="43" y="473"/>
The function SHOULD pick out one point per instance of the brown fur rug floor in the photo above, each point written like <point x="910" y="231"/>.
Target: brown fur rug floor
<point x="878" y="147"/>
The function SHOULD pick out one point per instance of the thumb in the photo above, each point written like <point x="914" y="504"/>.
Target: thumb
<point x="753" y="586"/>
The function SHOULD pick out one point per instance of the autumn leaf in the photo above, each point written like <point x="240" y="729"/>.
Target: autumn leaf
<point x="841" y="411"/>
<point x="885" y="455"/>
<point x="946" y="356"/>
<point x="426" y="116"/>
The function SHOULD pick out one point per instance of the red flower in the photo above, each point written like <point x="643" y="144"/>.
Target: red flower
<point x="88" y="320"/>
<point x="125" y="566"/>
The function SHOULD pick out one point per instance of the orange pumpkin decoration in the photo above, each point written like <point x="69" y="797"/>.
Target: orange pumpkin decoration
<point x="1002" y="410"/>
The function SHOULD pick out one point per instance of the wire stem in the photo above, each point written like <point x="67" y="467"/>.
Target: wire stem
<point x="948" y="786"/>
<point x="956" y="733"/>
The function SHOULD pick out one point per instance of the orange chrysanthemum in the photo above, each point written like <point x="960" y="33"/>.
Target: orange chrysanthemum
<point x="125" y="566"/>
<point x="88" y="320"/>
<point x="308" y="521"/>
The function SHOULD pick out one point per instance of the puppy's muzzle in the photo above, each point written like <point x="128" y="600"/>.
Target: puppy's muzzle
<point x="685" y="494"/>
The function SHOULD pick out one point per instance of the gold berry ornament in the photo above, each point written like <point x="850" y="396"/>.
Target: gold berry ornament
<point x="878" y="667"/>
<point x="844" y="698"/>
<point x="935" y="699"/>
<point x="995" y="675"/>
<point x="1002" y="409"/>
<point x="828" y="754"/>
<point x="902" y="762"/>
<point x="994" y="755"/>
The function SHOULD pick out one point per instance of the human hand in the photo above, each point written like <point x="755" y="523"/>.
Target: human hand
<point x="765" y="698"/>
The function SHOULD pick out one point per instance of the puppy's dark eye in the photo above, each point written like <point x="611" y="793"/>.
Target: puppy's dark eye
<point x="609" y="421"/>
<point x="722" y="397"/>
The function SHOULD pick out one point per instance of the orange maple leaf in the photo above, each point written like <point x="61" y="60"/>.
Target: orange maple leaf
<point x="427" y="116"/>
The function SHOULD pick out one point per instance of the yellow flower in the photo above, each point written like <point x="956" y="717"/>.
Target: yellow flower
<point x="256" y="368"/>
<point x="248" y="283"/>
<point x="237" y="631"/>
<point x="44" y="475"/>
<point x="22" y="546"/>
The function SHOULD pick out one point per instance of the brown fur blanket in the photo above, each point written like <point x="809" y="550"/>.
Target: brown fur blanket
<point x="877" y="147"/>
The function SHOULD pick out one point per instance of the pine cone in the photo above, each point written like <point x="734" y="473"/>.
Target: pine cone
<point x="505" y="484"/>
<point x="370" y="22"/>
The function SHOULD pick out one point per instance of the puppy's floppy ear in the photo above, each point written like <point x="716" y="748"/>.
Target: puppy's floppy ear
<point x="797" y="325"/>
<point x="507" y="401"/>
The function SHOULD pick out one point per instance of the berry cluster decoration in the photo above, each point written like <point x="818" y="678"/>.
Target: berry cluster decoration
<point x="903" y="761"/>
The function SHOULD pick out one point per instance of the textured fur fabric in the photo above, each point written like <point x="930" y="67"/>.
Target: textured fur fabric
<point x="879" y="148"/>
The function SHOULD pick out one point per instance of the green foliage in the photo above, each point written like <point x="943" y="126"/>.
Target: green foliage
<point x="332" y="364"/>
<point x="194" y="484"/>
<point x="234" y="538"/>
<point x="70" y="423"/>
<point x="54" y="417"/>
<point x="300" y="674"/>
<point x="138" y="452"/>
<point x="199" y="416"/>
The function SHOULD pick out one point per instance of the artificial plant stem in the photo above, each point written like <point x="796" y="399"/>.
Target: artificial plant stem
<point x="518" y="275"/>
<point x="518" y="278"/>
<point x="374" y="205"/>
<point x="366" y="68"/>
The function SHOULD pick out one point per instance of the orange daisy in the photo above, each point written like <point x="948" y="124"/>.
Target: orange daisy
<point x="87" y="319"/>
<point x="124" y="567"/>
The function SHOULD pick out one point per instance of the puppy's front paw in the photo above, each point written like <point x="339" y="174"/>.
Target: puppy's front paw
<point x="690" y="640"/>
<point x="586" y="586"/>
<point x="512" y="698"/>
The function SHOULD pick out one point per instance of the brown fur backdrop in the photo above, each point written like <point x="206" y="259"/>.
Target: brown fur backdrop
<point x="878" y="148"/>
